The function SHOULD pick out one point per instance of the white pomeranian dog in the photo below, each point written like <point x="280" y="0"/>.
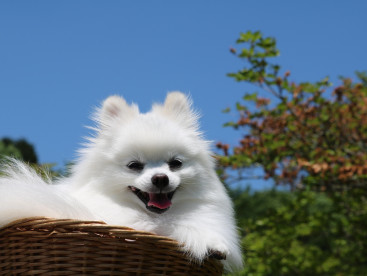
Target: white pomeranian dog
<point x="152" y="172"/>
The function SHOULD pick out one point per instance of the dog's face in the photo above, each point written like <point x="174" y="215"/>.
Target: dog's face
<point x="156" y="165"/>
<point x="155" y="159"/>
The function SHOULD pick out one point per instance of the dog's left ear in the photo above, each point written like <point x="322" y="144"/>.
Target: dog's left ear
<point x="178" y="106"/>
<point x="115" y="107"/>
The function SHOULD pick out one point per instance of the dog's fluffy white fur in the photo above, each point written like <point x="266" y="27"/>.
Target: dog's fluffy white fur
<point x="119" y="162"/>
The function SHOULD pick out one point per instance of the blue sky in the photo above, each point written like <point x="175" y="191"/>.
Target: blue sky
<point x="60" y="59"/>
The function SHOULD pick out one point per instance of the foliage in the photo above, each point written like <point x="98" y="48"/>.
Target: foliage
<point x="311" y="137"/>
<point x="19" y="149"/>
<point x="9" y="150"/>
<point x="309" y="235"/>
<point x="297" y="133"/>
<point x="23" y="150"/>
<point x="251" y="205"/>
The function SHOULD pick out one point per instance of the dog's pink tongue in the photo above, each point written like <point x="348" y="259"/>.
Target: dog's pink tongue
<point x="160" y="201"/>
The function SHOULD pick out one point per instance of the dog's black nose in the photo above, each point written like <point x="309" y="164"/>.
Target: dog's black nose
<point x="160" y="180"/>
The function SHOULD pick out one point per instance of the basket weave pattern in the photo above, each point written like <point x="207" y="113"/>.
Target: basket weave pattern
<point x="42" y="246"/>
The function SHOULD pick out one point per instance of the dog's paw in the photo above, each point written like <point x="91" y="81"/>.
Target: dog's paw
<point x="217" y="249"/>
<point x="215" y="254"/>
<point x="200" y="245"/>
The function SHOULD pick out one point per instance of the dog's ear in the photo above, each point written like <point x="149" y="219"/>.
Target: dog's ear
<point x="178" y="106"/>
<point x="115" y="107"/>
<point x="177" y="103"/>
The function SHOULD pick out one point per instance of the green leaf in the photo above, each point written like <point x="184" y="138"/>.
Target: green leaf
<point x="226" y="110"/>
<point x="250" y="97"/>
<point x="249" y="36"/>
<point x="240" y="107"/>
<point x="230" y="124"/>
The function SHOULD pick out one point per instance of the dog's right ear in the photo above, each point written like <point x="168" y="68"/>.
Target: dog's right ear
<point x="115" y="108"/>
<point x="177" y="107"/>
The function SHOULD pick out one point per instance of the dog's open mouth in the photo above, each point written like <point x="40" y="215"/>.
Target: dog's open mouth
<point x="154" y="202"/>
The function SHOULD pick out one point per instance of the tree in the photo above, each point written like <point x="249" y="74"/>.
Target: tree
<point x="254" y="205"/>
<point x="23" y="150"/>
<point x="299" y="135"/>
<point x="20" y="149"/>
<point x="313" y="138"/>
<point x="309" y="235"/>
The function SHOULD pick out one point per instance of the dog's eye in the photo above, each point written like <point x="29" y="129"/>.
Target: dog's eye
<point x="135" y="166"/>
<point x="175" y="164"/>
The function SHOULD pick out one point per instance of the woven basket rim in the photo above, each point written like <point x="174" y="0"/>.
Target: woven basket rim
<point x="100" y="226"/>
<point x="100" y="231"/>
<point x="52" y="222"/>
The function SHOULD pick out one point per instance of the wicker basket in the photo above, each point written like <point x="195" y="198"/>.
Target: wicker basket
<point x="42" y="246"/>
